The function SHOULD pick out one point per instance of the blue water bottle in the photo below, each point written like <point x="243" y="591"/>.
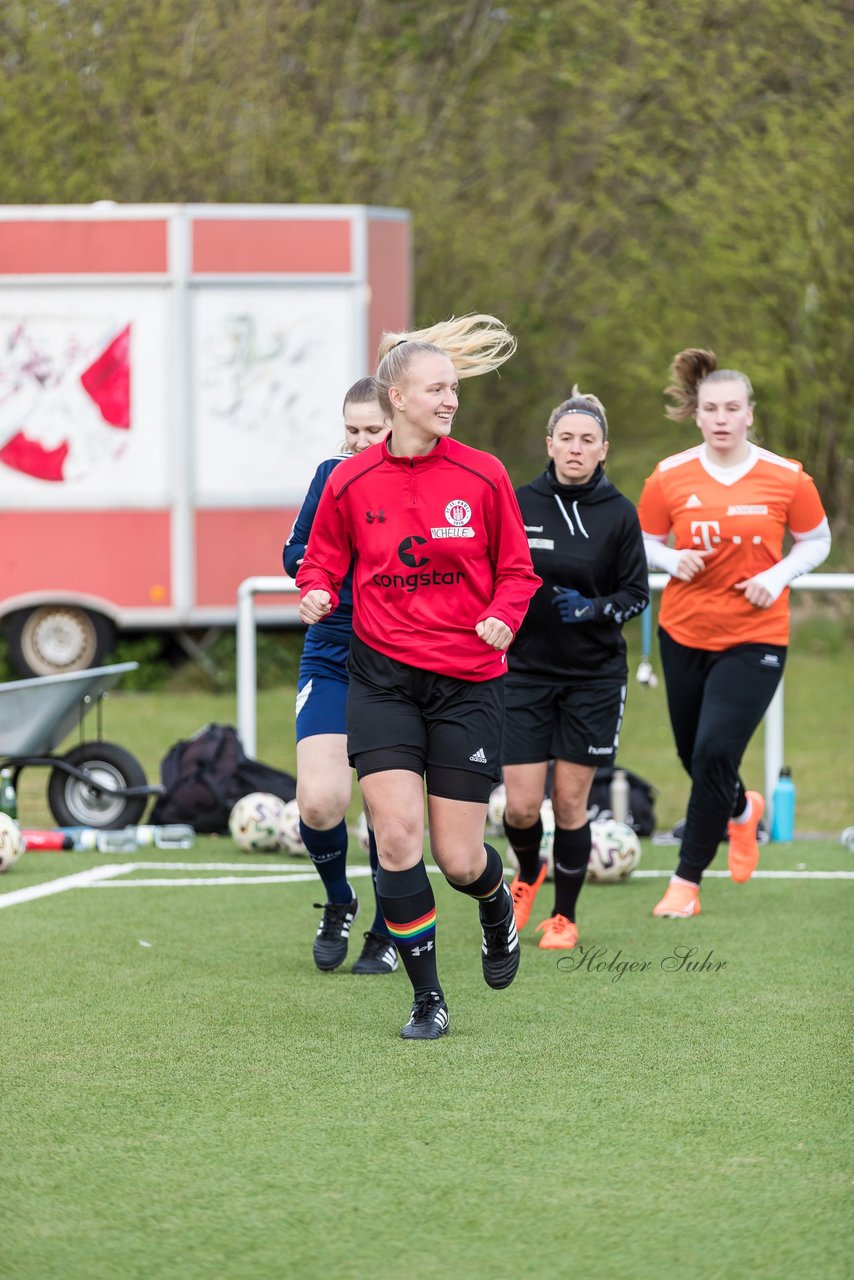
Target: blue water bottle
<point x="783" y="810"/>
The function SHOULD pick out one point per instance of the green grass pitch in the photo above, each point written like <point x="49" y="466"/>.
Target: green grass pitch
<point x="185" y="1096"/>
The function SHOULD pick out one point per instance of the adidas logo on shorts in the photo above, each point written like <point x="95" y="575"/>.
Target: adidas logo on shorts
<point x="479" y="756"/>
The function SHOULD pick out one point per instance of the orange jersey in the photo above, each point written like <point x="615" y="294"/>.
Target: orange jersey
<point x="743" y="523"/>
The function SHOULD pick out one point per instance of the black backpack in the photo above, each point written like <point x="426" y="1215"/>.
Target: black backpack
<point x="641" y="815"/>
<point x="204" y="777"/>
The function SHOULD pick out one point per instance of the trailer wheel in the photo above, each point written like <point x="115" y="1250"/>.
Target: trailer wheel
<point x="55" y="638"/>
<point x="78" y="804"/>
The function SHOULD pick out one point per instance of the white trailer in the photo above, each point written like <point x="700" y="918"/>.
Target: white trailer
<point x="170" y="376"/>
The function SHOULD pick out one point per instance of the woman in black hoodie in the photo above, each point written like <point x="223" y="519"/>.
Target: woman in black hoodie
<point x="566" y="684"/>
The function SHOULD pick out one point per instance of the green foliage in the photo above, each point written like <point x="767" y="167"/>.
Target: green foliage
<point x="147" y="650"/>
<point x="615" y="180"/>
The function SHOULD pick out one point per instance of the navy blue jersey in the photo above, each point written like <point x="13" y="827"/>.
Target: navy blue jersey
<point x="329" y="640"/>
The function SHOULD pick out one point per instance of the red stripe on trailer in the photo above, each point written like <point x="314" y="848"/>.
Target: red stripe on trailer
<point x="235" y="544"/>
<point x="85" y="246"/>
<point x="389" y="276"/>
<point x="120" y="556"/>
<point x="319" y="246"/>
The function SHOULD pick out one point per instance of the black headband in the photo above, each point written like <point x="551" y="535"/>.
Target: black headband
<point x="590" y="410"/>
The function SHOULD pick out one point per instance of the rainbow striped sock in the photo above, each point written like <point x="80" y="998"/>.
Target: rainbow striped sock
<point x="409" y="911"/>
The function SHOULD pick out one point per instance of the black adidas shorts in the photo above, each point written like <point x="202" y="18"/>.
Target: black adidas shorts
<point x="400" y="717"/>
<point x="574" y="720"/>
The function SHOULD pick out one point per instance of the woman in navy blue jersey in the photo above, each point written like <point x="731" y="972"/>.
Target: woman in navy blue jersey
<point x="324" y="775"/>
<point x="566" y="677"/>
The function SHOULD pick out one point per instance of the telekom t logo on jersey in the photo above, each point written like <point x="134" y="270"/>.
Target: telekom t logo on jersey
<point x="706" y="534"/>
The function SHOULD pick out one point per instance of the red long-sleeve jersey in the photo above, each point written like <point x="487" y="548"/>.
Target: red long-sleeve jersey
<point x="437" y="544"/>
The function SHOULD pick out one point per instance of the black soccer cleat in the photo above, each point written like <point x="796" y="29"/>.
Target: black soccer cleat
<point x="500" y="948"/>
<point x="429" y="1018"/>
<point x="330" y="945"/>
<point x="379" y="955"/>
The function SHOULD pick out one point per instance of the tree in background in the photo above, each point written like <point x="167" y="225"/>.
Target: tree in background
<point x="615" y="180"/>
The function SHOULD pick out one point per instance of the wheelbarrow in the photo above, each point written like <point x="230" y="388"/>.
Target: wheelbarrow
<point x="96" y="783"/>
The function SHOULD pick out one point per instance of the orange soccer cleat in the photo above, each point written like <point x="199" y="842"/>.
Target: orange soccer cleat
<point x="559" y="934"/>
<point x="523" y="896"/>
<point x="680" y="901"/>
<point x="743" y="857"/>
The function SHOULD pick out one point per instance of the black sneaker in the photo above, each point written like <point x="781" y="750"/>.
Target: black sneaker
<point x="429" y="1018"/>
<point x="330" y="945"/>
<point x="500" y="948"/>
<point x="379" y="955"/>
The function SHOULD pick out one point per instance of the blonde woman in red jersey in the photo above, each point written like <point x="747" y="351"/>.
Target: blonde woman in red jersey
<point x="724" y="619"/>
<point x="442" y="577"/>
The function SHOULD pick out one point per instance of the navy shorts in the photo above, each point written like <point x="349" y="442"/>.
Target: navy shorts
<point x="575" y="720"/>
<point x="402" y="717"/>
<point x="321" y="703"/>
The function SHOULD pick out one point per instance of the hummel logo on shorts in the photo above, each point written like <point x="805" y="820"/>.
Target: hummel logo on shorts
<point x="478" y="757"/>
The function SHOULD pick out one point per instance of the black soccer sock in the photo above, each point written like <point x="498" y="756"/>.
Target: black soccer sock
<point x="379" y="924"/>
<point x="409" y="908"/>
<point x="525" y="843"/>
<point x="488" y="888"/>
<point x="571" y="855"/>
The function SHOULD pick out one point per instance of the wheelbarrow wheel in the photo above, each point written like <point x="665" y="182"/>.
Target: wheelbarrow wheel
<point x="75" y="803"/>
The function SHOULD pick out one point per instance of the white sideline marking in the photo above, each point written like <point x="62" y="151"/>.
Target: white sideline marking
<point x="206" y="880"/>
<point x="307" y="877"/>
<point x="80" y="880"/>
<point x="105" y="877"/>
<point x="763" y="875"/>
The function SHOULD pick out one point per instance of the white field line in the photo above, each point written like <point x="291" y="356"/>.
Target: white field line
<point x="763" y="875"/>
<point x="80" y="880"/>
<point x="104" y="877"/>
<point x="306" y="877"/>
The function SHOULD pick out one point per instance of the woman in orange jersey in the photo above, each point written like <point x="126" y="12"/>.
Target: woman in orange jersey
<point x="724" y="620"/>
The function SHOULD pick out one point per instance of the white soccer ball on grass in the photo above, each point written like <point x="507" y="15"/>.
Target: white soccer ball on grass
<point x="360" y="831"/>
<point x="495" y="811"/>
<point x="289" y="832"/>
<point x="614" y="853"/>
<point x="11" y="842"/>
<point x="255" y="822"/>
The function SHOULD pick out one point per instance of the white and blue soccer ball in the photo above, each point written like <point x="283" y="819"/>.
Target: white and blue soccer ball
<point x="360" y="831"/>
<point x="289" y="832"/>
<point x="614" y="852"/>
<point x="11" y="842"/>
<point x="495" y="811"/>
<point x="255" y="822"/>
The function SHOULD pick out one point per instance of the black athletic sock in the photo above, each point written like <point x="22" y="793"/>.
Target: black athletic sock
<point x="525" y="843"/>
<point x="409" y="909"/>
<point x="571" y="855"/>
<point x="379" y="924"/>
<point x="488" y="888"/>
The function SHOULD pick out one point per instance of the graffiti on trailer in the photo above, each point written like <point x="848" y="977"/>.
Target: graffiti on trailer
<point x="65" y="407"/>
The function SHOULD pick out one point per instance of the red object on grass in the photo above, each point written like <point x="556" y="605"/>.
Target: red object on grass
<point x="47" y="841"/>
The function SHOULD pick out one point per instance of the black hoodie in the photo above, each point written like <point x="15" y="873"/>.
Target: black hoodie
<point x="585" y="536"/>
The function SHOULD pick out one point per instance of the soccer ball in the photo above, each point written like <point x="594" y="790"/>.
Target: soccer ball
<point x="547" y="818"/>
<point x="360" y="831"/>
<point x="255" y="822"/>
<point x="11" y="842"/>
<point x="289" y="832"/>
<point x="614" y="853"/>
<point x="495" y="811"/>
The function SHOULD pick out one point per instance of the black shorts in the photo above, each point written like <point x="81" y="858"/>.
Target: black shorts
<point x="400" y="717"/>
<point x="574" y="720"/>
